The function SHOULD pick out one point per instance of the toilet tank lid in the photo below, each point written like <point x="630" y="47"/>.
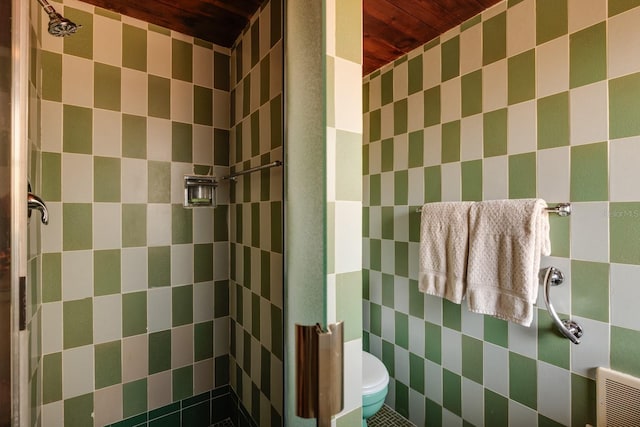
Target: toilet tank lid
<point x="374" y="374"/>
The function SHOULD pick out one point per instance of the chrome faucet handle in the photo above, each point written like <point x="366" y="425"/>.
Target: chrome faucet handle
<point x="35" y="202"/>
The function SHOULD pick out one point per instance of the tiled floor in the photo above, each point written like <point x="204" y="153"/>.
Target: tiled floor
<point x="224" y="423"/>
<point x="387" y="417"/>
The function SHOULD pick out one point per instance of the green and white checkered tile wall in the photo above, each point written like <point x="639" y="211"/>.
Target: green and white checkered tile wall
<point x="531" y="98"/>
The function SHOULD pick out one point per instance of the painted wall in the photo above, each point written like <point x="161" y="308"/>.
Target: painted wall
<point x="134" y="287"/>
<point x="528" y="99"/>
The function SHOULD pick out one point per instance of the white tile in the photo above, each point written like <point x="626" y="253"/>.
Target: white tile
<point x="433" y="381"/>
<point x="348" y="95"/>
<point x="77" y="178"/>
<point x="181" y="101"/>
<point x="472" y="323"/>
<point x="451" y="100"/>
<point x="159" y="224"/>
<point x="77" y="81"/>
<point x="265" y="30"/>
<point x="413" y="260"/>
<point x="134" y="181"/>
<point x="221" y="262"/>
<point x="353" y="374"/>
<point x="52" y="414"/>
<point x="330" y="295"/>
<point x="107" y="405"/>
<point x="495" y="178"/>
<point x="375" y="287"/>
<point x="401" y="81"/>
<point x="494" y="86"/>
<point x="590" y="231"/>
<point x="159" y="309"/>
<point x="77" y="371"/>
<point x="107" y="40"/>
<point x="415" y="107"/>
<point x="158" y="139"/>
<point x="400" y="152"/>
<point x="552" y="67"/>
<point x="554" y="393"/>
<point x="450" y="419"/>
<point x="451" y="182"/>
<point x="593" y="350"/>
<point x="433" y="145"/>
<point x="494" y="10"/>
<point x="159" y="389"/>
<point x="416" y="407"/>
<point x="265" y="322"/>
<point x="221" y="336"/>
<point x="431" y="67"/>
<point x="401" y="224"/>
<point x="51" y="125"/>
<point x="375" y="157"/>
<point x="107" y="133"/>
<point x="52" y="233"/>
<point x="625" y="291"/>
<point x="401" y="294"/>
<point x="471" y="129"/>
<point x="472" y="402"/>
<point x="107" y="229"/>
<point x="134" y="269"/>
<point x="589" y="113"/>
<point x="416" y="187"/>
<point x="51" y="327"/>
<point x="416" y="335"/>
<point x="452" y="350"/>
<point x="554" y="174"/>
<point x="388" y="256"/>
<point x="624" y="174"/>
<point x="202" y="225"/>
<point x="202" y="66"/>
<point x="134" y="92"/>
<point x="521" y="27"/>
<point x="178" y="171"/>
<point x="520" y="415"/>
<point x="521" y="128"/>
<point x="182" y="346"/>
<point x="623" y="46"/>
<point x="221" y="111"/>
<point x="181" y="264"/>
<point x="388" y="324"/>
<point x="495" y="362"/>
<point x="471" y="49"/>
<point x="107" y="318"/>
<point x="584" y="13"/>
<point x="523" y="340"/>
<point x="348" y="256"/>
<point x="433" y="309"/>
<point x="387" y="188"/>
<point x="375" y="222"/>
<point x="77" y="275"/>
<point x="158" y="54"/>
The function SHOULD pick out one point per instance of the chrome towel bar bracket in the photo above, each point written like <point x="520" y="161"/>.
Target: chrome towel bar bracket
<point x="568" y="328"/>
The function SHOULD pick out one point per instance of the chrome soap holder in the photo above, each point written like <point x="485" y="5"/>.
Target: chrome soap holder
<point x="199" y="191"/>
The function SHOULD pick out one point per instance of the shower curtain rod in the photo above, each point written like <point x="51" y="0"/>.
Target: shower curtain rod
<point x="233" y="176"/>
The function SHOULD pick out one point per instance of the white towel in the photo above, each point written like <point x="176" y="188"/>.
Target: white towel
<point x="506" y="240"/>
<point x="444" y="230"/>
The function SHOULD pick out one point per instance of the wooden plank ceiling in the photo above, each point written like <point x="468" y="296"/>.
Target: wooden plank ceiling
<point x="391" y="27"/>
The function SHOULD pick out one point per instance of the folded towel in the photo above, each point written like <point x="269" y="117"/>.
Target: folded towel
<point x="506" y="239"/>
<point x="443" y="249"/>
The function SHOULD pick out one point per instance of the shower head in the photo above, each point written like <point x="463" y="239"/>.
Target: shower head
<point x="59" y="26"/>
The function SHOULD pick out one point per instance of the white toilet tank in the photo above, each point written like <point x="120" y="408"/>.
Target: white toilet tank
<point x="374" y="374"/>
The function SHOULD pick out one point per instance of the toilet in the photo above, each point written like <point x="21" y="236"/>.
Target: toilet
<point x="375" y="380"/>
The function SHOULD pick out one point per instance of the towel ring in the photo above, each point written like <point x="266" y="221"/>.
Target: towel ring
<point x="568" y="328"/>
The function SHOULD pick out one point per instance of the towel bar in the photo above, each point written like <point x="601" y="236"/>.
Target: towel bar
<point x="568" y="328"/>
<point x="562" y="209"/>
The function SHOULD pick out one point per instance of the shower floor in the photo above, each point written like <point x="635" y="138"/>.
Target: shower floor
<point x="224" y="423"/>
<point x="387" y="417"/>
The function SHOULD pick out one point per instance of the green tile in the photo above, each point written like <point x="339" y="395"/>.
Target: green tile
<point x="276" y="21"/>
<point x="221" y="298"/>
<point x="552" y="347"/>
<point x="134" y="397"/>
<point x="349" y="289"/>
<point x="182" y="305"/>
<point x="134" y="314"/>
<point x="181" y="60"/>
<point x="470" y="22"/>
<point x="590" y="290"/>
<point x="523" y="380"/>
<point x="375" y="254"/>
<point x="619" y="6"/>
<point x="388" y="294"/>
<point x="181" y="142"/>
<point x="77" y="226"/>
<point x="387" y="155"/>
<point x="366" y="91"/>
<point x="81" y="44"/>
<point x="265" y="80"/>
<point x="106" y="179"/>
<point x="134" y="225"/>
<point x="401" y="259"/>
<point x="416" y="149"/>
<point x="106" y="272"/>
<point x="414" y="75"/>
<point x="495" y="133"/>
<point x="160" y="30"/>
<point x="388" y="219"/>
<point x="220" y="224"/>
<point x="433" y="342"/>
<point x="432" y="184"/>
<point x="451" y="315"/>
<point x="159" y="97"/>
<point x="553" y="121"/>
<point x="472" y="359"/>
<point x="389" y="357"/>
<point x="522" y="176"/>
<point x="386" y="81"/>
<point x="108" y="364"/>
<point x="202" y="105"/>
<point x="221" y="147"/>
<point x="77" y="129"/>
<point x="375" y="319"/>
<point x="432" y="106"/>
<point x="51" y="378"/>
<point x="203" y="262"/>
<point x="255" y="316"/>
<point x="624" y="104"/>
<point x="547" y="422"/>
<point x="472" y="180"/>
<point x="108" y="14"/>
<point x="134" y="47"/>
<point x="450" y="65"/>
<point x="451" y="142"/>
<point x="471" y="86"/>
<point x="401" y="187"/>
<point x="625" y="344"/>
<point x="52" y="79"/>
<point x="78" y="411"/>
<point x="182" y="382"/>
<point x="181" y="224"/>
<point x="221" y="71"/>
<point x="159" y="267"/>
<point x="551" y="19"/>
<point x="414" y="224"/>
<point x="496" y="331"/>
<point x="202" y="341"/>
<point x="401" y="330"/>
<point x="496" y="409"/>
<point x="416" y="373"/>
<point x="400" y="117"/>
<point x="375" y="123"/>
<point x="348" y="174"/>
<point x="276" y="332"/>
<point x="583" y="400"/>
<point x="589" y="172"/>
<point x="159" y="351"/>
<point x="106" y="87"/>
<point x="559" y="235"/>
<point x="77" y="319"/>
<point x="134" y="136"/>
<point x="452" y="392"/>
<point x="494" y="39"/>
<point x="588" y="55"/>
<point x="433" y="413"/>
<point x="402" y="399"/>
<point x="52" y="271"/>
<point x="51" y="177"/>
<point x="159" y="178"/>
<point x="246" y="100"/>
<point x="374" y="190"/>
<point x="521" y="77"/>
